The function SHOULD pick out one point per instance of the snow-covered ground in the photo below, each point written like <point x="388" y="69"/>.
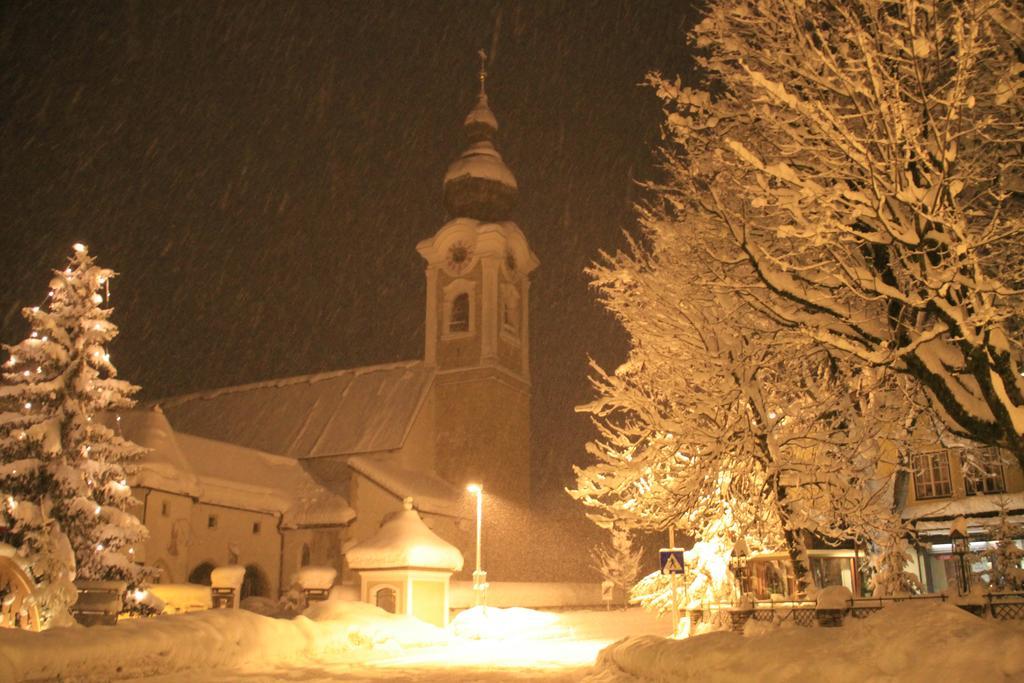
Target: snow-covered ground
<point x="908" y="642"/>
<point x="345" y="641"/>
<point x="337" y="640"/>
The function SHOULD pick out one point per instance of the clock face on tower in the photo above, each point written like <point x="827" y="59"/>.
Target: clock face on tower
<point x="459" y="255"/>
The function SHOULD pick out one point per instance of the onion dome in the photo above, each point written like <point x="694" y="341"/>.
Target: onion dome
<point x="478" y="184"/>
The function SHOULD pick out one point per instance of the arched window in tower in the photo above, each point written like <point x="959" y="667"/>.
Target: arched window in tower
<point x="510" y="310"/>
<point x="458" y="318"/>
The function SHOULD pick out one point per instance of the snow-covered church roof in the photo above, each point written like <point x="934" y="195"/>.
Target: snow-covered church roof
<point x="431" y="493"/>
<point x="405" y="541"/>
<point x="227" y="474"/>
<point x="362" y="410"/>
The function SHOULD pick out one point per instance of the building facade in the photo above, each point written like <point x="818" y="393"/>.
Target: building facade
<point x="374" y="436"/>
<point x="951" y="483"/>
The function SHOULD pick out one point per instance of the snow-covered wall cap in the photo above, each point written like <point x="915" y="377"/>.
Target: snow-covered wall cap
<point x="228" y="576"/>
<point x="316" y="578"/>
<point x="405" y="541"/>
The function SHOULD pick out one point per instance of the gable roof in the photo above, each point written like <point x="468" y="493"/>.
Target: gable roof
<point x="362" y="410"/>
<point x="431" y="493"/>
<point x="226" y="474"/>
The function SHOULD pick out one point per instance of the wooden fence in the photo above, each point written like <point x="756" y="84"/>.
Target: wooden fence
<point x="1001" y="606"/>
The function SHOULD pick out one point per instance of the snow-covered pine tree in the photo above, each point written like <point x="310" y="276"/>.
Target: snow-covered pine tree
<point x="620" y="561"/>
<point x="63" y="473"/>
<point x="707" y="580"/>
<point x="889" y="563"/>
<point x="1005" y="555"/>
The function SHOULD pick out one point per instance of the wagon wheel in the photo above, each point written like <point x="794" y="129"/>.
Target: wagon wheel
<point x="16" y="610"/>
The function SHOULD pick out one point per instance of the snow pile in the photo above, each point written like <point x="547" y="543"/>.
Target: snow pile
<point x="371" y="627"/>
<point x="834" y="597"/>
<point x="907" y="641"/>
<point x="495" y="623"/>
<point x="182" y="597"/>
<point x="213" y="639"/>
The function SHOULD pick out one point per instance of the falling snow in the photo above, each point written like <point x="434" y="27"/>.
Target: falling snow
<point x="260" y="173"/>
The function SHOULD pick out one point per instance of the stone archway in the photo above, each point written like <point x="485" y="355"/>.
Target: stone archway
<point x="255" y="583"/>
<point x="201" y="574"/>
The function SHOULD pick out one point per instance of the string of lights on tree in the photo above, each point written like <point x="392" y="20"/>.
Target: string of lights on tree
<point x="64" y="466"/>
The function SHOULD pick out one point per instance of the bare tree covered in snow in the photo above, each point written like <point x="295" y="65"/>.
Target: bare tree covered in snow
<point x="723" y="423"/>
<point x="63" y="474"/>
<point x="862" y="158"/>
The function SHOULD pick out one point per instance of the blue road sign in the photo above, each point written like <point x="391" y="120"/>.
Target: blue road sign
<point x="672" y="561"/>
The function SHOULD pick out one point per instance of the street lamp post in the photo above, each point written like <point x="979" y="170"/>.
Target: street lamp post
<point x="738" y="563"/>
<point x="961" y="546"/>
<point x="479" y="575"/>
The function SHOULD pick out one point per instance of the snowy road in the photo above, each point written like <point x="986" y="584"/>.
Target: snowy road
<point x="563" y="652"/>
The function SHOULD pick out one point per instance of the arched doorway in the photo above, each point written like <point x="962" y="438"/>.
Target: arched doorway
<point x="201" y="574"/>
<point x="254" y="583"/>
<point x="163" y="572"/>
<point x="386" y="599"/>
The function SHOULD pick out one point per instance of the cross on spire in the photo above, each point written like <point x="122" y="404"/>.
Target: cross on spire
<point x="483" y="71"/>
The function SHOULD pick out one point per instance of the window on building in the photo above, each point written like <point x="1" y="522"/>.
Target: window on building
<point x="931" y="476"/>
<point x="304" y="560"/>
<point x="510" y="310"/>
<point x="984" y="474"/>
<point x="256" y="527"/>
<point x="165" y="509"/>
<point x="833" y="571"/>
<point x="458" y="320"/>
<point x="211" y="522"/>
<point x="386" y="599"/>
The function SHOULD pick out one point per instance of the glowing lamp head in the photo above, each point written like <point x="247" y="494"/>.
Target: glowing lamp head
<point x="78" y="247"/>
<point x="475" y="488"/>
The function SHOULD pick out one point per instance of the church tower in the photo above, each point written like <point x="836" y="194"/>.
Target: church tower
<point x="477" y="319"/>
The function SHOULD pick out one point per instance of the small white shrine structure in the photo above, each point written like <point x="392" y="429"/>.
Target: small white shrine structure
<point x="405" y="568"/>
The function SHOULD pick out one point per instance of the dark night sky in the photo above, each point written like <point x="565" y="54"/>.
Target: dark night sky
<point x="259" y="174"/>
